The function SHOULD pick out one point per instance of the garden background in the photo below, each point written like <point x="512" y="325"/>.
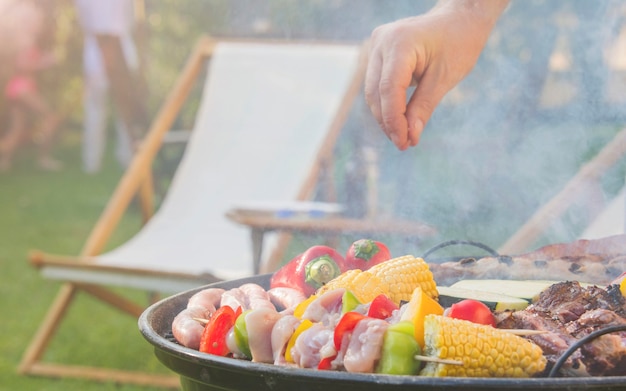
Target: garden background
<point x="500" y="146"/>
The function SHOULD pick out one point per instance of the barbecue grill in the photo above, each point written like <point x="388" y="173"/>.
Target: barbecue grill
<point x="200" y="371"/>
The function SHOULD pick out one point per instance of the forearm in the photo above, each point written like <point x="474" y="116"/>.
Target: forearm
<point x="486" y="12"/>
<point x="476" y="18"/>
<point x="434" y="51"/>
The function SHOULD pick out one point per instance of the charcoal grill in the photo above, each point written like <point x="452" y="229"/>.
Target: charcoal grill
<point x="200" y="372"/>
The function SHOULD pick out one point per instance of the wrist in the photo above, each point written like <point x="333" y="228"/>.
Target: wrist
<point x="485" y="12"/>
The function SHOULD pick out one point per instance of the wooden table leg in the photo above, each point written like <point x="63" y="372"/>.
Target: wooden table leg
<point x="257" y="235"/>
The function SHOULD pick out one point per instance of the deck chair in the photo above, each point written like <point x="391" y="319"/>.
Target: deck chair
<point x="265" y="129"/>
<point x="609" y="222"/>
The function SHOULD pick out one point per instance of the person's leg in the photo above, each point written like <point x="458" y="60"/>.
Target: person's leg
<point x="49" y="125"/>
<point x="95" y="121"/>
<point x="124" y="88"/>
<point x="11" y="140"/>
<point x="124" y="146"/>
<point x="49" y="129"/>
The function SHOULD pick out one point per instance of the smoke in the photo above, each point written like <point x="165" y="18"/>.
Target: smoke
<point x="547" y="93"/>
<point x="516" y="130"/>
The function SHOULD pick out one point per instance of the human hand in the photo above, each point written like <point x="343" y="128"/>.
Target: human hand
<point x="434" y="51"/>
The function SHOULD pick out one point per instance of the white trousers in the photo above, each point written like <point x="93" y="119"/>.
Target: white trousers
<point x="96" y="103"/>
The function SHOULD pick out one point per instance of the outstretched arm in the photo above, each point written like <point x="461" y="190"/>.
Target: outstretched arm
<point x="435" y="51"/>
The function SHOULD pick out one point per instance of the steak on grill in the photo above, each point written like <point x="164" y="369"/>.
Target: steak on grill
<point x="568" y="312"/>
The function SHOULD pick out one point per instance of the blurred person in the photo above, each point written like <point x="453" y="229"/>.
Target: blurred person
<point x="111" y="65"/>
<point x="21" y="91"/>
<point x="95" y="99"/>
<point x="436" y="51"/>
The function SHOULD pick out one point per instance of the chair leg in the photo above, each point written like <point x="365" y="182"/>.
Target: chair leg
<point x="114" y="299"/>
<point x="31" y="363"/>
<point x="146" y="197"/>
<point x="48" y="327"/>
<point x="274" y="261"/>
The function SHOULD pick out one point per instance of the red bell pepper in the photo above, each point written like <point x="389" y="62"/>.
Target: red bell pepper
<point x="213" y="340"/>
<point x="381" y="307"/>
<point x="365" y="253"/>
<point x="346" y="325"/>
<point x="325" y="364"/>
<point x="310" y="270"/>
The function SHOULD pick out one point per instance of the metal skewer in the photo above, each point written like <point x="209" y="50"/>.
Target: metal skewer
<point x="523" y="332"/>
<point x="438" y="360"/>
<point x="201" y="320"/>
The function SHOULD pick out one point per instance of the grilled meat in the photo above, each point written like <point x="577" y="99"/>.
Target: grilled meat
<point x="568" y="312"/>
<point x="311" y="346"/>
<point x="365" y="345"/>
<point x="608" y="351"/>
<point x="569" y="300"/>
<point x="595" y="261"/>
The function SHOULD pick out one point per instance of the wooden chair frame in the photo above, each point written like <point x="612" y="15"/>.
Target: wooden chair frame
<point x="137" y="182"/>
<point x="585" y="179"/>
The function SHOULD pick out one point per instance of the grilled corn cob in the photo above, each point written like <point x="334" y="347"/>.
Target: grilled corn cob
<point x="400" y="276"/>
<point x="363" y="284"/>
<point x="484" y="351"/>
<point x="397" y="278"/>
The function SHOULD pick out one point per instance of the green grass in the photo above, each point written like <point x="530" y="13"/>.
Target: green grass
<point x="54" y="212"/>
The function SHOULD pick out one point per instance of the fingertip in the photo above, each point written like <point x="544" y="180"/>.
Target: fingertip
<point x="394" y="139"/>
<point x="400" y="144"/>
<point x="415" y="132"/>
<point x="418" y="126"/>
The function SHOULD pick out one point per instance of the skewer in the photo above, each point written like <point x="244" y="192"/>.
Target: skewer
<point x="438" y="360"/>
<point x="201" y="320"/>
<point x="523" y="332"/>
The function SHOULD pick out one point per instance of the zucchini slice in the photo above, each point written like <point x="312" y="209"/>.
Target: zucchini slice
<point x="495" y="301"/>
<point x="525" y="289"/>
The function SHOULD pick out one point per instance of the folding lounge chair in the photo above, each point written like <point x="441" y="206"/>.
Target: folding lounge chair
<point x="609" y="222"/>
<point x="267" y="123"/>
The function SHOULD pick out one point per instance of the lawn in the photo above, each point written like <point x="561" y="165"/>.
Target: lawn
<point x="54" y="212"/>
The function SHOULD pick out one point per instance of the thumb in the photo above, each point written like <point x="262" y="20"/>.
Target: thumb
<point x="420" y="108"/>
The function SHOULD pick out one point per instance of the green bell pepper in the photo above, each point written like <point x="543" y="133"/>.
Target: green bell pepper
<point x="399" y="351"/>
<point x="349" y="302"/>
<point x="241" y="334"/>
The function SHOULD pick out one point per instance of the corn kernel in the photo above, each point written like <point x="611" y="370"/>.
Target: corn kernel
<point x="364" y="285"/>
<point x="403" y="274"/>
<point x="497" y="357"/>
<point x="397" y="278"/>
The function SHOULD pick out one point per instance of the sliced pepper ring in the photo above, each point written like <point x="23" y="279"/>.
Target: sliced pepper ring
<point x="213" y="340"/>
<point x="346" y="324"/>
<point x="304" y="325"/>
